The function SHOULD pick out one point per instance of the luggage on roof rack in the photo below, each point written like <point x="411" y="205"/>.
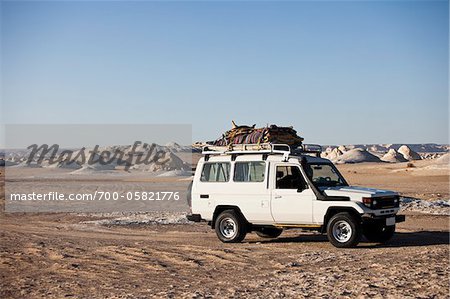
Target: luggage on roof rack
<point x="253" y="135"/>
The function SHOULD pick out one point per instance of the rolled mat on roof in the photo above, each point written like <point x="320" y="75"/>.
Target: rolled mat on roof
<point x="252" y="135"/>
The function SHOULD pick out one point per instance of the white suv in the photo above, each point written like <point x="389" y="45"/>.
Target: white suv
<point x="266" y="188"/>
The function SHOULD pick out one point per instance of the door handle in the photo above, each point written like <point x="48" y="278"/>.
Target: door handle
<point x="277" y="196"/>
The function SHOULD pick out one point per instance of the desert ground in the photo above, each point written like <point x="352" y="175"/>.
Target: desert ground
<point x="62" y="255"/>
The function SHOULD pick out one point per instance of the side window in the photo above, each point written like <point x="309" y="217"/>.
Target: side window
<point x="216" y="172"/>
<point x="289" y="177"/>
<point x="249" y="171"/>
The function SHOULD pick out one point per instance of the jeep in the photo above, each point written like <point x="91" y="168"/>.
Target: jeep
<point x="266" y="188"/>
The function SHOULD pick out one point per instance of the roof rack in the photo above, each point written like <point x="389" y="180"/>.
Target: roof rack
<point x="262" y="148"/>
<point x="308" y="149"/>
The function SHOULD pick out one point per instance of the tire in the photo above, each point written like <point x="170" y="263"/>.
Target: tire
<point x="269" y="232"/>
<point x="343" y="230"/>
<point x="230" y="227"/>
<point x="378" y="233"/>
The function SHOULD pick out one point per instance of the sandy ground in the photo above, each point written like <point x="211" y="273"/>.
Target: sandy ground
<point x="62" y="256"/>
<point x="43" y="181"/>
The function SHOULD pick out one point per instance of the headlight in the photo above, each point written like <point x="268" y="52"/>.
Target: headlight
<point x="367" y="201"/>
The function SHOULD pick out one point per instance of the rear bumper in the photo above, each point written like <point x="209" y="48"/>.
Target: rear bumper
<point x="194" y="217"/>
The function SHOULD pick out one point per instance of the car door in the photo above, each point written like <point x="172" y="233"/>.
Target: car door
<point x="291" y="199"/>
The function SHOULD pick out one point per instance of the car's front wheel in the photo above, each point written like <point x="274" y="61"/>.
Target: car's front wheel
<point x="230" y="227"/>
<point x="344" y="230"/>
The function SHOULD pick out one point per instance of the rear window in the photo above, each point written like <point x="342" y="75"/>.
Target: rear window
<point x="216" y="172"/>
<point x="249" y="171"/>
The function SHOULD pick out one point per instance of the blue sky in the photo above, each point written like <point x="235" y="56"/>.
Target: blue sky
<point x="339" y="72"/>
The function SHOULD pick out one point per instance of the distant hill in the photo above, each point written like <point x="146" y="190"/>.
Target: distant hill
<point x="419" y="148"/>
<point x="392" y="153"/>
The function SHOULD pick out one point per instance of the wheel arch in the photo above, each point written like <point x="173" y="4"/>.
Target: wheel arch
<point x="219" y="209"/>
<point x="333" y="210"/>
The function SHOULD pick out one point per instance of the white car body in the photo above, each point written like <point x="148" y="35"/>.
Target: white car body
<point x="268" y="189"/>
<point x="262" y="204"/>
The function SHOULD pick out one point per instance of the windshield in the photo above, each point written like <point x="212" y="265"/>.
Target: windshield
<point x="324" y="175"/>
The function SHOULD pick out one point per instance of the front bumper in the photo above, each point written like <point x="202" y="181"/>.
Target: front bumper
<point x="370" y="218"/>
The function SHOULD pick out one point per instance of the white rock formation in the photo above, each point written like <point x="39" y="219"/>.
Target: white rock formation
<point x="393" y="156"/>
<point x="343" y="148"/>
<point x="408" y="154"/>
<point x="356" y="155"/>
<point x="334" y="154"/>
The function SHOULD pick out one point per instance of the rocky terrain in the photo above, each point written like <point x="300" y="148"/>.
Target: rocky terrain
<point x="419" y="148"/>
<point x="162" y="255"/>
<point x="391" y="153"/>
<point x="179" y="157"/>
<point x="55" y="256"/>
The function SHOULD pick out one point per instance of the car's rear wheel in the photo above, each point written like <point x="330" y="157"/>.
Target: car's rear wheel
<point x="230" y="227"/>
<point x="378" y="233"/>
<point x="343" y="230"/>
<point x="269" y="232"/>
